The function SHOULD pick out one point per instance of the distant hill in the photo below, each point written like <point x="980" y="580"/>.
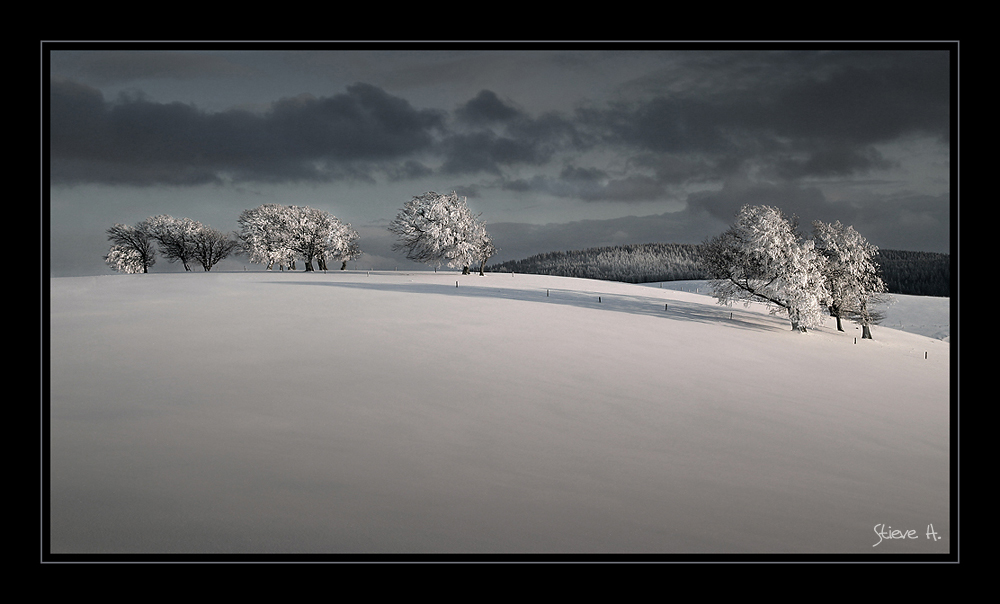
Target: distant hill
<point x="911" y="273"/>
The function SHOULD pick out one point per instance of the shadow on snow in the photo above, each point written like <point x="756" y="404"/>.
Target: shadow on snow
<point x="636" y="305"/>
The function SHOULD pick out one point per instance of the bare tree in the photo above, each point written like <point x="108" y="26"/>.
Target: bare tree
<point x="211" y="246"/>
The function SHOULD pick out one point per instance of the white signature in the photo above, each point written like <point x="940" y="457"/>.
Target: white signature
<point x="887" y="532"/>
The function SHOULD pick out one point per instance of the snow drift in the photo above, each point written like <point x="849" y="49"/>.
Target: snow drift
<point x="355" y="412"/>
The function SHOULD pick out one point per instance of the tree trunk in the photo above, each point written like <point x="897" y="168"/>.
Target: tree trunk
<point x="465" y="270"/>
<point x="344" y="265"/>
<point x="866" y="332"/>
<point x="482" y="268"/>
<point x="836" y="313"/>
<point x="793" y="318"/>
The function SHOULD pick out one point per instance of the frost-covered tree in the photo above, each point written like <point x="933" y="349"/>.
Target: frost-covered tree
<point x="132" y="249"/>
<point x="440" y="229"/>
<point x="341" y="245"/>
<point x="762" y="258"/>
<point x="851" y="274"/>
<point x="485" y="248"/>
<point x="211" y="246"/>
<point x="124" y="260"/>
<point x="175" y="237"/>
<point x="264" y="235"/>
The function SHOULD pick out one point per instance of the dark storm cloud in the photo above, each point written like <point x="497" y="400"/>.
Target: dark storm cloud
<point x="304" y="138"/>
<point x="797" y="115"/>
<point x="487" y="108"/>
<point x="485" y="151"/>
<point x="803" y="123"/>
<point x="865" y="102"/>
<point x="788" y="116"/>
<point x="493" y="135"/>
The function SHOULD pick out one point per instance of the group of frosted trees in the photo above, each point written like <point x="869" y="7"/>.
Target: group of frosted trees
<point x="432" y="228"/>
<point x="763" y="258"/>
<point x="134" y="248"/>
<point x="272" y="235"/>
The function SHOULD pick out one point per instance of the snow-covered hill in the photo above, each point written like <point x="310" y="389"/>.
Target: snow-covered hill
<point x="355" y="412"/>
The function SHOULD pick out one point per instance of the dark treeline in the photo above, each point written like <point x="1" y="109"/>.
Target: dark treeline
<point x="912" y="273"/>
<point x="916" y="273"/>
<point x="637" y="263"/>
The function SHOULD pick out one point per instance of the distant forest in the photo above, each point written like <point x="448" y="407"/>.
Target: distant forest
<point x="912" y="273"/>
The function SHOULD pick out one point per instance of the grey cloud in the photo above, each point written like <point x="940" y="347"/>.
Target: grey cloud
<point x="487" y="108"/>
<point x="833" y="162"/>
<point x="365" y="123"/>
<point x="485" y="151"/>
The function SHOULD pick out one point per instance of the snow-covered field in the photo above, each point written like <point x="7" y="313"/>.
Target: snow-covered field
<point x="349" y="412"/>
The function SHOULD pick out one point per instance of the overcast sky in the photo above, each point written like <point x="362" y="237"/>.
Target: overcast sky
<point x="557" y="148"/>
